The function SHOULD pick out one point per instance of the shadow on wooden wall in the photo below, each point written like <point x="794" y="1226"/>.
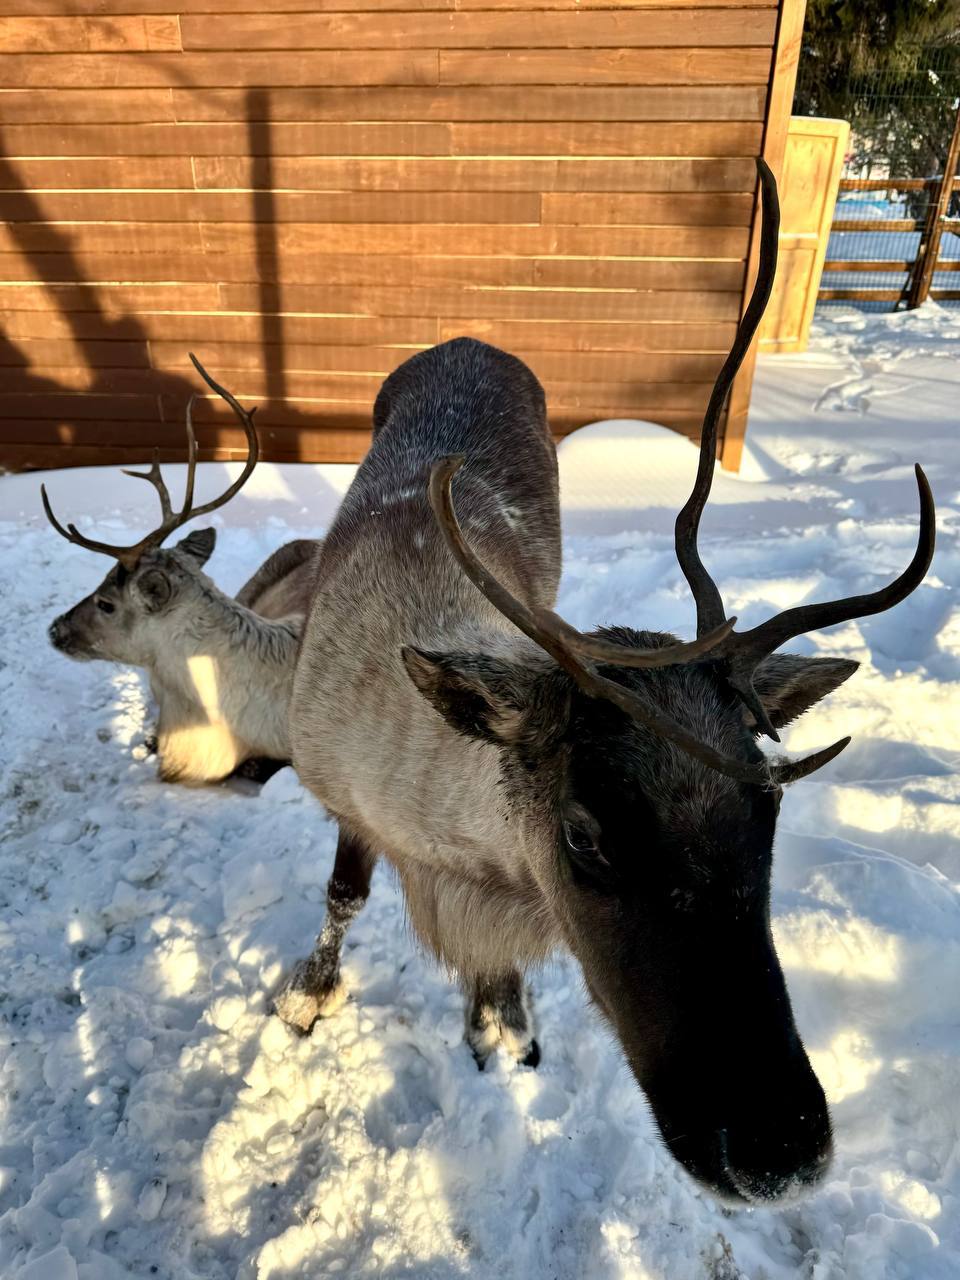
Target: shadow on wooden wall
<point x="129" y="403"/>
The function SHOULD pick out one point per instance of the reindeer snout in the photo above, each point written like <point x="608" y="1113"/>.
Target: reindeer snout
<point x="57" y="633"/>
<point x="66" y="639"/>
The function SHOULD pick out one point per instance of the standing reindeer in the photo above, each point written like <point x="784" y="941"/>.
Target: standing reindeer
<point x="221" y="669"/>
<point x="536" y="787"/>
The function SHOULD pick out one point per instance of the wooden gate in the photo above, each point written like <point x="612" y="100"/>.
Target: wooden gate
<point x="808" y="193"/>
<point x="911" y="279"/>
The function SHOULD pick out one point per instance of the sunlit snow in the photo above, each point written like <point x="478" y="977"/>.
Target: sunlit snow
<point x="156" y="1122"/>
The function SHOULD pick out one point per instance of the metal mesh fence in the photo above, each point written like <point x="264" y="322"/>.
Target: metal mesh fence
<point x="902" y="123"/>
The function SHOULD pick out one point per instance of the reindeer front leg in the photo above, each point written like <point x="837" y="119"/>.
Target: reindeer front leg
<point x="313" y="988"/>
<point x="499" y="1013"/>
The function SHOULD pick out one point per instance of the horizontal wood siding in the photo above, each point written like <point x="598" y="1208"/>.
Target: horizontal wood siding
<point x="305" y="192"/>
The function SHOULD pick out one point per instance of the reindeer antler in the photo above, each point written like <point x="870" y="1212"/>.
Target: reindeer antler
<point x="564" y="643"/>
<point x="716" y="639"/>
<point x="744" y="652"/>
<point x="576" y="653"/>
<point x="171" y="520"/>
<point x="705" y="593"/>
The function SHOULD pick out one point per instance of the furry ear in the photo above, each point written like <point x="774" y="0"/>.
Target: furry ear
<point x="155" y="589"/>
<point x="478" y="696"/>
<point x="198" y="544"/>
<point x="789" y="685"/>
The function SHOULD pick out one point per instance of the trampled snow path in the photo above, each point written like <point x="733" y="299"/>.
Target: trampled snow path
<point x="155" y="1122"/>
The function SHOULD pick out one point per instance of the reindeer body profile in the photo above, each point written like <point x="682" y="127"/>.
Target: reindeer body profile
<point x="535" y="787"/>
<point x="384" y="539"/>
<point x="220" y="668"/>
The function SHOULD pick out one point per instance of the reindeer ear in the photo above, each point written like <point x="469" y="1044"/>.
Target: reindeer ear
<point x="789" y="685"/>
<point x="199" y="544"/>
<point x="155" y="589"/>
<point x="478" y="696"/>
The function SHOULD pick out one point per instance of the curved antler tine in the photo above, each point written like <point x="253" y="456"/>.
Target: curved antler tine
<point x="191" y="455"/>
<point x="742" y="684"/>
<point x="750" y="647"/>
<point x="546" y="628"/>
<point x="709" y="604"/>
<point x="154" y="477"/>
<point x="441" y="500"/>
<point x="559" y="640"/>
<point x="127" y="556"/>
<point x="253" y="446"/>
<point x="243" y="414"/>
<point x="792" y="770"/>
<point x="52" y="518"/>
<point x="616" y="655"/>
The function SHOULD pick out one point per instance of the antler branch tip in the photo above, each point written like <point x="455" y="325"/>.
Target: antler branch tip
<point x="448" y="466"/>
<point x="171" y="520"/>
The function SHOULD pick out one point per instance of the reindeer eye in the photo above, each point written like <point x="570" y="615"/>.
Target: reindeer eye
<point x="588" y="866"/>
<point x="105" y="606"/>
<point x="579" y="839"/>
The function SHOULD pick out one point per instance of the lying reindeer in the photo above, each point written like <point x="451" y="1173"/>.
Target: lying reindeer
<point x="221" y="669"/>
<point x="535" y="787"/>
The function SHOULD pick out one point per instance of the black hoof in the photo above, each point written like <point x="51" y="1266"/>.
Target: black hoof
<point x="259" y="769"/>
<point x="533" y="1056"/>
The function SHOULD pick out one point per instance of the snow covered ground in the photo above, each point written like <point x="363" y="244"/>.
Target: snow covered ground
<point x="155" y="1122"/>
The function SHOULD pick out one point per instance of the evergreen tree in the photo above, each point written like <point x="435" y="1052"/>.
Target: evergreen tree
<point x="890" y="67"/>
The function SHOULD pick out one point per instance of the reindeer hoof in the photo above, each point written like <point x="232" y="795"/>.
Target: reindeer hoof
<point x="532" y="1058"/>
<point x="527" y="1055"/>
<point x="300" y="1008"/>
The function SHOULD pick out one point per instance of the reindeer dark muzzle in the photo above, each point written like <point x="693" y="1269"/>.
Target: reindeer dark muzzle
<point x="59" y="633"/>
<point x="752" y="1126"/>
<point x="64" y="637"/>
<point x="781" y="1155"/>
<point x="715" y="1049"/>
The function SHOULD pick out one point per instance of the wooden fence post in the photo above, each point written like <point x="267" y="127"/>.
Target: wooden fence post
<point x="783" y="80"/>
<point x="929" y="250"/>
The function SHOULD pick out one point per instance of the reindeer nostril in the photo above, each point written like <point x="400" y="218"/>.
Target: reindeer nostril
<point x="777" y="1161"/>
<point x="59" y="634"/>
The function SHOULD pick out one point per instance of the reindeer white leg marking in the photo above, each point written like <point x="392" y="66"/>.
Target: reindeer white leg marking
<point x="499" y="1014"/>
<point x="313" y="989"/>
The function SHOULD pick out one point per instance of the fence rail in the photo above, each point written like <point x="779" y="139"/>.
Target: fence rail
<point x="917" y="272"/>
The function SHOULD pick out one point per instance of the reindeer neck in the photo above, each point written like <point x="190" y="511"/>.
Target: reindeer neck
<point x="217" y="632"/>
<point x="219" y="617"/>
<point x="385" y="762"/>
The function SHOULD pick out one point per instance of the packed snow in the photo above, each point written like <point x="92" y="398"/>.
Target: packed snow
<point x="156" y="1121"/>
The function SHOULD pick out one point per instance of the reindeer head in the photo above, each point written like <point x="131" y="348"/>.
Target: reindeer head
<point x="152" y="591"/>
<point x="647" y="815"/>
<point x="131" y="617"/>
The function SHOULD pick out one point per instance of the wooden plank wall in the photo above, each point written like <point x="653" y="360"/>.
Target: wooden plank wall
<point x="304" y="192"/>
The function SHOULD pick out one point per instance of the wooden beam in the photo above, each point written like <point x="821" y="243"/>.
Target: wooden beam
<point x="888" y="184"/>
<point x="879" y="224"/>
<point x="868" y="264"/>
<point x="929" y="249"/>
<point x="860" y="295"/>
<point x="779" y="105"/>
